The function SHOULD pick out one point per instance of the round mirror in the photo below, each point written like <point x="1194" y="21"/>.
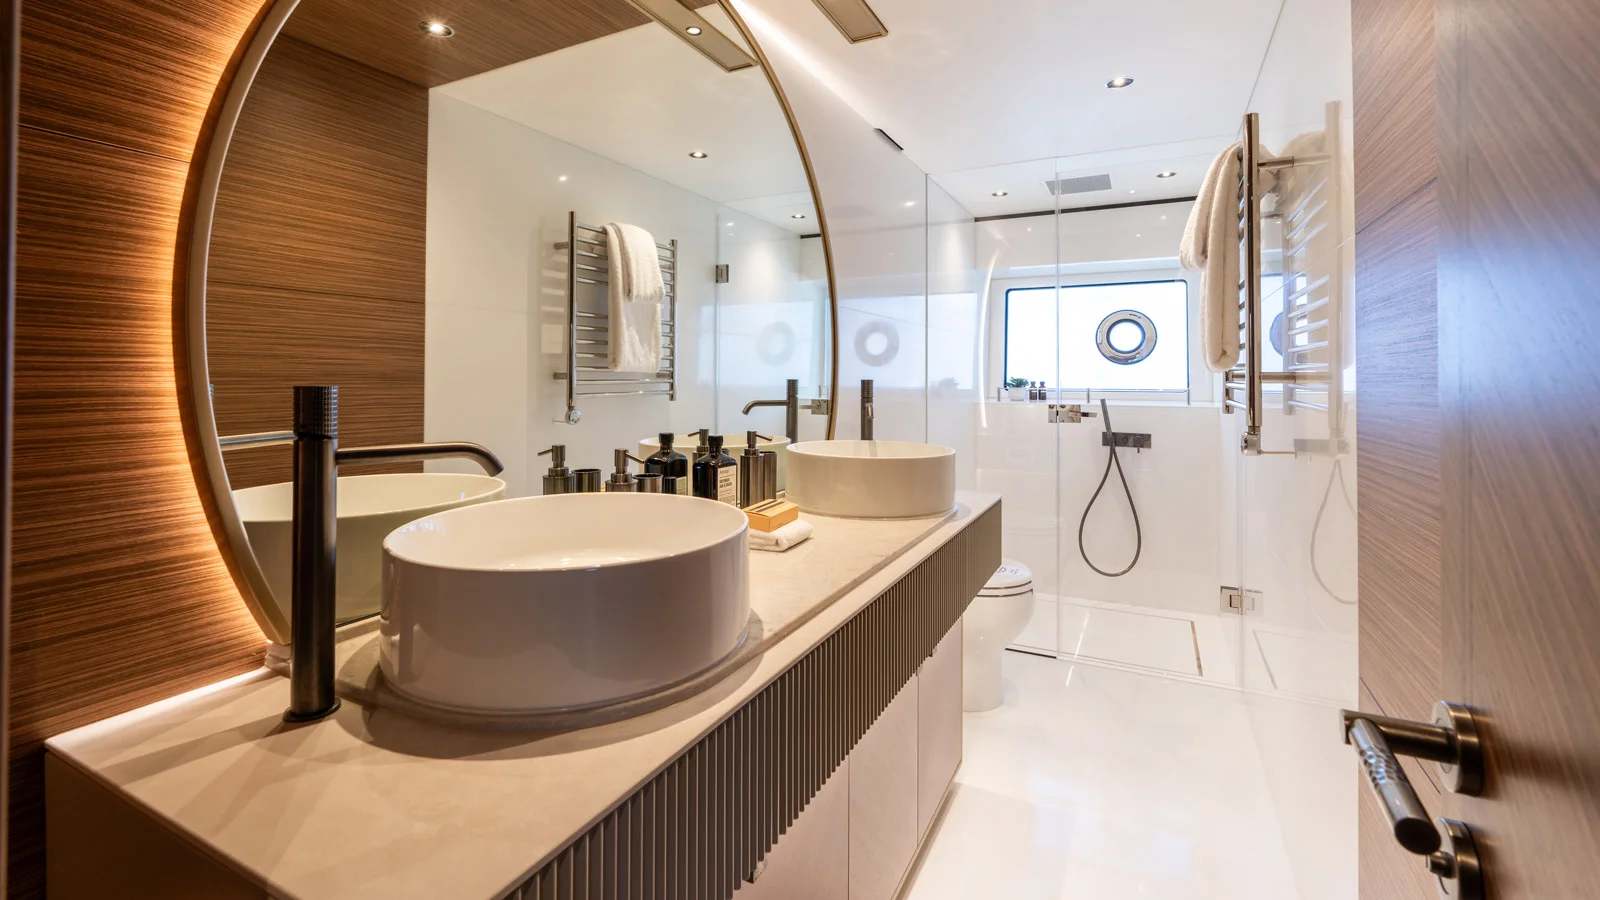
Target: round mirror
<point x="423" y="210"/>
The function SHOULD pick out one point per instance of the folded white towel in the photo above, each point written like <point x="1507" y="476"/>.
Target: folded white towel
<point x="795" y="532"/>
<point x="1211" y="247"/>
<point x="635" y="293"/>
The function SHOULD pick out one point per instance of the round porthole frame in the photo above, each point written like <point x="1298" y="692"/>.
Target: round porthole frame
<point x="1147" y="345"/>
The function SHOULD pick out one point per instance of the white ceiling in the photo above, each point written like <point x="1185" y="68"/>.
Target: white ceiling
<point x="645" y="98"/>
<point x="970" y="88"/>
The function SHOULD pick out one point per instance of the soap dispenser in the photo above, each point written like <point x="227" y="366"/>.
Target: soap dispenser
<point x="716" y="474"/>
<point x="560" y="479"/>
<point x="672" y="466"/>
<point x="621" y="480"/>
<point x="752" y="473"/>
<point x="704" y="446"/>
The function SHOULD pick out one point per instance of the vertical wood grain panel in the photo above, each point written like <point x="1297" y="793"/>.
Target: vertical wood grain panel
<point x="1520" y="396"/>
<point x="318" y="255"/>
<point x="1399" y="532"/>
<point x="121" y="596"/>
<point x="1394" y="100"/>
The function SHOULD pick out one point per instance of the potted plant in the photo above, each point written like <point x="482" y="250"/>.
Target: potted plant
<point x="1017" y="389"/>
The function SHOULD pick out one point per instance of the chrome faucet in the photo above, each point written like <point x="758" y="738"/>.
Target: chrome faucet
<point x="317" y="458"/>
<point x="792" y="406"/>
<point x="866" y="409"/>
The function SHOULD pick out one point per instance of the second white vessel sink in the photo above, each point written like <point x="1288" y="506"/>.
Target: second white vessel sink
<point x="872" y="479"/>
<point x="368" y="508"/>
<point x="543" y="604"/>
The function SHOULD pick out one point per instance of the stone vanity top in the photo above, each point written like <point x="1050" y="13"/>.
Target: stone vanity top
<point x="374" y="804"/>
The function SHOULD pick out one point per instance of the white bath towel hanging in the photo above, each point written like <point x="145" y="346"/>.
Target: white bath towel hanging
<point x="635" y="290"/>
<point x="1211" y="247"/>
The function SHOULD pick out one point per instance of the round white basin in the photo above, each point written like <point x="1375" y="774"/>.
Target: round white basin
<point x="368" y="508"/>
<point x="734" y="445"/>
<point x="567" y="601"/>
<point x="872" y="479"/>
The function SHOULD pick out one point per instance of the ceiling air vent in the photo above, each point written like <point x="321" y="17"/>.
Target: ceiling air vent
<point x="1083" y="184"/>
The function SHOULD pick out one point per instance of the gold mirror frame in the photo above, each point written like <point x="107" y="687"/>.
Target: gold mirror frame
<point x="205" y="450"/>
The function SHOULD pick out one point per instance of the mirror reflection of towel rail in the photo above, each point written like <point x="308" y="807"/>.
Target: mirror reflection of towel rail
<point x="591" y="380"/>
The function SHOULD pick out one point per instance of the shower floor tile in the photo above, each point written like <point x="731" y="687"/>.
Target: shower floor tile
<point x="1150" y="641"/>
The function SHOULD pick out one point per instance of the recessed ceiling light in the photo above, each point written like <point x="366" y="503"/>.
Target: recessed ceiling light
<point x="693" y="30"/>
<point x="1133" y="192"/>
<point x="1168" y="174"/>
<point x="911" y="203"/>
<point x="437" y="29"/>
<point x="697" y="154"/>
<point x="562" y="178"/>
<point x="1000" y="194"/>
<point x="1121" y="81"/>
<point x="797" y="215"/>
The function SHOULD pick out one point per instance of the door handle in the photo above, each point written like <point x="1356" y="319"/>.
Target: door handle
<point x="1453" y="743"/>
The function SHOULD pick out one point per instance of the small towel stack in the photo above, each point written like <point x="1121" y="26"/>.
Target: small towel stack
<point x="796" y="532"/>
<point x="635" y="291"/>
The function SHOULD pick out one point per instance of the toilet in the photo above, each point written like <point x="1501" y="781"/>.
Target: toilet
<point x="995" y="619"/>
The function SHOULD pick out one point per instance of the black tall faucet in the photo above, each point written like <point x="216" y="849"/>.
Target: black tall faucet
<point x="317" y="458"/>
<point x="792" y="406"/>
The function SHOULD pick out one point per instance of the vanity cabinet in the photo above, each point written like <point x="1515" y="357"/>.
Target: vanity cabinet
<point x="859" y="836"/>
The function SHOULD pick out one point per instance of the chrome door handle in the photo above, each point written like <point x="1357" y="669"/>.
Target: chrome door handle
<point x="1451" y="741"/>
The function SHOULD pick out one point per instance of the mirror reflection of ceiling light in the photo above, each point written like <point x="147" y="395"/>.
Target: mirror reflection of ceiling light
<point x="697" y="154"/>
<point x="437" y="29"/>
<point x="1121" y="81"/>
<point x="1167" y="174"/>
<point x="797" y="216"/>
<point x="1001" y="194"/>
<point x="911" y="203"/>
<point x="691" y="28"/>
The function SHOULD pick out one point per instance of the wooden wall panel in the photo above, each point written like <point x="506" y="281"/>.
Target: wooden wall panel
<point x="1397" y="342"/>
<point x="1394" y="102"/>
<point x="318" y="256"/>
<point x="121" y="596"/>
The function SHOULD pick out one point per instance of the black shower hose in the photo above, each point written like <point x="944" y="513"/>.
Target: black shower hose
<point x="1138" y="533"/>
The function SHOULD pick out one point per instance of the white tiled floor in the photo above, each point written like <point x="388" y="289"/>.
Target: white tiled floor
<point x="1142" y="637"/>
<point x="1094" y="783"/>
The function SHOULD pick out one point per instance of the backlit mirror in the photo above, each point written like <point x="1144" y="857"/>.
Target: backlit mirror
<point x="411" y="207"/>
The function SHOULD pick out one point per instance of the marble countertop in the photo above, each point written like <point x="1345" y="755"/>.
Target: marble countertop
<point x="374" y="804"/>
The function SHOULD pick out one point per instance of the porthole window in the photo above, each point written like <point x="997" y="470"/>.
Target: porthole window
<point x="1126" y="337"/>
<point x="1100" y="337"/>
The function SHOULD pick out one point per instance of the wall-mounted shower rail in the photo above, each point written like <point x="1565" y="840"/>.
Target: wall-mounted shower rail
<point x="588" y="333"/>
<point x="1310" y="326"/>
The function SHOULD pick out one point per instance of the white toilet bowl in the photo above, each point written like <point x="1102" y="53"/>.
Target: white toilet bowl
<point x="995" y="619"/>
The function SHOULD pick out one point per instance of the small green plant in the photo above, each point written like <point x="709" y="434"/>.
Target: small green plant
<point x="1017" y="382"/>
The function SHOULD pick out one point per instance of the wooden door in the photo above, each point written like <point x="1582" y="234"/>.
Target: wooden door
<point x="1519" y="306"/>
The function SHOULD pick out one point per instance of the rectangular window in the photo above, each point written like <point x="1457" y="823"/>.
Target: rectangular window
<point x="1110" y="337"/>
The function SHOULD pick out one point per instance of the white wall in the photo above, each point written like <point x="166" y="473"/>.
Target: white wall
<point x="498" y="198"/>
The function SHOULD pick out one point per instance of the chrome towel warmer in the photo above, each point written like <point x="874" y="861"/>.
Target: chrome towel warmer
<point x="587" y="373"/>
<point x="1311" y="291"/>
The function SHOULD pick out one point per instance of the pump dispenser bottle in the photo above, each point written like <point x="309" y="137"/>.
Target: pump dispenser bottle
<point x="716" y="474"/>
<point x="752" y="473"/>
<point x="621" y="480"/>
<point x="672" y="466"/>
<point x="560" y="479"/>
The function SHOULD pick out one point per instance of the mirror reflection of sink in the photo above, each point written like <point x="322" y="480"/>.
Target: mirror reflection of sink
<point x="369" y="507"/>
<point x="735" y="443"/>
<point x="872" y="479"/>
<point x="560" y="602"/>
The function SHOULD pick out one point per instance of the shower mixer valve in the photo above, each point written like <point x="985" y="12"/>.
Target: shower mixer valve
<point x="1070" y="413"/>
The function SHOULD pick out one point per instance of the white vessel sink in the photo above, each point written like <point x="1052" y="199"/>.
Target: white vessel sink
<point x="734" y="445"/>
<point x="562" y="602"/>
<point x="369" y="507"/>
<point x="872" y="479"/>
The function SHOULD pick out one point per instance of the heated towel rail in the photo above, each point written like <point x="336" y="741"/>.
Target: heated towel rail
<point x="1311" y="290"/>
<point x="587" y="372"/>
